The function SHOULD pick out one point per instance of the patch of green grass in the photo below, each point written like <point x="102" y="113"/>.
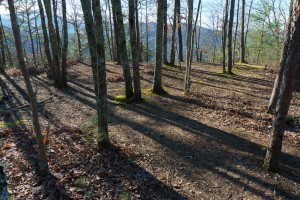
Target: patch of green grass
<point x="250" y="65"/>
<point x="226" y="75"/>
<point x="240" y="130"/>
<point x="147" y="92"/>
<point x="126" y="195"/>
<point x="120" y="99"/>
<point x="81" y="182"/>
<point x="89" y="129"/>
<point x="13" y="124"/>
<point x="200" y="81"/>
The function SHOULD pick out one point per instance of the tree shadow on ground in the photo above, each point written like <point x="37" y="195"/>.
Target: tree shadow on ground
<point x="25" y="143"/>
<point x="208" y="154"/>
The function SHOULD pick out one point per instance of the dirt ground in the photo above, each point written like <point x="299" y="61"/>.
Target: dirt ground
<point x="207" y="145"/>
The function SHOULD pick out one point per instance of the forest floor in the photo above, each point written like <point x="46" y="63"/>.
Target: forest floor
<point x="207" y="145"/>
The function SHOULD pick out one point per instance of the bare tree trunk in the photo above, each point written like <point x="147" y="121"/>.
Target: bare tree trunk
<point x="103" y="137"/>
<point x="272" y="158"/>
<point x="54" y="45"/>
<point x="94" y="29"/>
<point x="113" y="43"/>
<point x="147" y="34"/>
<point x="2" y="51"/>
<point x="157" y="82"/>
<point x="180" y="45"/>
<point x="35" y="118"/>
<point x="134" y="50"/>
<point x="165" y="52"/>
<point x="191" y="31"/>
<point x="172" y="57"/>
<point x="230" y="27"/>
<point x="65" y="44"/>
<point x="243" y="48"/>
<point x="118" y="52"/>
<point x="123" y="49"/>
<point x="224" y="38"/>
<point x="46" y="40"/>
<point x="236" y="30"/>
<point x="248" y="23"/>
<point x="107" y="35"/>
<point x="137" y="25"/>
<point x="31" y="37"/>
<point x="278" y="80"/>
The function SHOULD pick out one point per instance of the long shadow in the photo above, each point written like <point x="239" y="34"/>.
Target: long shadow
<point x="26" y="143"/>
<point x="239" y="78"/>
<point x="209" y="134"/>
<point x="203" y="105"/>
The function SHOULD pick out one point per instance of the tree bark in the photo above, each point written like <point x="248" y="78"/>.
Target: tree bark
<point x="123" y="49"/>
<point x="157" y="82"/>
<point x="134" y="50"/>
<point x="172" y="57"/>
<point x="272" y="158"/>
<point x="278" y="80"/>
<point x="230" y="27"/>
<point x="103" y="137"/>
<point x="180" y="45"/>
<point x="94" y="29"/>
<point x="44" y="170"/>
<point x="165" y="52"/>
<point x="224" y="38"/>
<point x="54" y="45"/>
<point x="46" y="40"/>
<point x="65" y="44"/>
<point x="243" y="48"/>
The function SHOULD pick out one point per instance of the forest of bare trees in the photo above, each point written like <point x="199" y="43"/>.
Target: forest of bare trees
<point x="143" y="99"/>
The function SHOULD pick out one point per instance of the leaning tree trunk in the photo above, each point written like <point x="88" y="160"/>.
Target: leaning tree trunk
<point x="278" y="80"/>
<point x="230" y="27"/>
<point x="134" y="50"/>
<point x="224" y="38"/>
<point x="157" y="82"/>
<point x="291" y="64"/>
<point x="123" y="49"/>
<point x="33" y="104"/>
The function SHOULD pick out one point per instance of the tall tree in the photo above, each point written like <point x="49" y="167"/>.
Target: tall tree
<point x="157" y="82"/>
<point x="116" y="4"/>
<point x="94" y="29"/>
<point x="230" y="29"/>
<point x="191" y="32"/>
<point x="64" y="52"/>
<point x="165" y="52"/>
<point x="180" y="43"/>
<point x="243" y="48"/>
<point x="291" y="64"/>
<point x="279" y="76"/>
<point x="224" y="37"/>
<point x="44" y="170"/>
<point x="134" y="50"/>
<point x="54" y="45"/>
<point x="172" y="57"/>
<point x="46" y="40"/>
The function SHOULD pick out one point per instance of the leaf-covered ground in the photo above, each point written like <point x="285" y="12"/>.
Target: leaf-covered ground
<point x="207" y="145"/>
